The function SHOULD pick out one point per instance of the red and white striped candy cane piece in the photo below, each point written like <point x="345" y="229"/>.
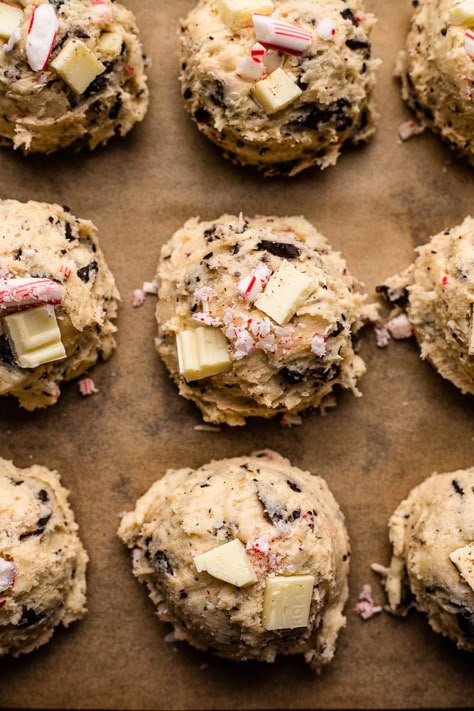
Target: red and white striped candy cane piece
<point x="258" y="51"/>
<point x="28" y="292"/>
<point x="280" y="35"/>
<point x="41" y="36"/>
<point x="469" y="43"/>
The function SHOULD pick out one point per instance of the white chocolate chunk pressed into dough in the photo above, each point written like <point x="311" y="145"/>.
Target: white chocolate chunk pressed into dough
<point x="238" y="13"/>
<point x="287" y="290"/>
<point x="463" y="559"/>
<point x="287" y="602"/>
<point x="229" y="563"/>
<point x="10" y="18"/>
<point x="35" y="336"/>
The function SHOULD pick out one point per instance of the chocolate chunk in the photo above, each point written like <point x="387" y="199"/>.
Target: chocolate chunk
<point x="201" y="115"/>
<point x="210" y="234"/>
<point x="356" y="44"/>
<point x="43" y="496"/>
<point x="398" y="297"/>
<point x="294" y="516"/>
<point x="183" y="594"/>
<point x="217" y="95"/>
<point x="314" y="115"/>
<point x="162" y="564"/>
<point x="6" y="353"/>
<point x="293" y="486"/>
<point x="347" y="14"/>
<point x="18" y="254"/>
<point x="465" y="622"/>
<point x="292" y="377"/>
<point x="187" y="94"/>
<point x="116" y="108"/>
<point x="68" y="232"/>
<point x="41" y="525"/>
<point x="31" y="617"/>
<point x="280" y="249"/>
<point x="457" y="488"/>
<point x="90" y="270"/>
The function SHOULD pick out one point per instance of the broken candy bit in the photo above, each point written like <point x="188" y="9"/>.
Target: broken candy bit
<point x="287" y="290"/>
<point x="318" y="345"/>
<point x="469" y="43"/>
<point x="87" y="387"/>
<point x="110" y="44"/>
<point x="41" y="35"/>
<point x="10" y="18"/>
<point x="281" y="35"/>
<point x="77" y="65"/>
<point x="326" y="29"/>
<point x="7" y="574"/>
<point x="251" y="69"/>
<point x="15" y="293"/>
<point x="462" y="13"/>
<point x="34" y="336"/>
<point x="229" y="563"/>
<point x="400" y="327"/>
<point x="276" y="92"/>
<point x="409" y="129"/>
<point x="250" y="287"/>
<point x="138" y="298"/>
<point x="463" y="559"/>
<point x="366" y="606"/>
<point x="287" y="602"/>
<point x="202" y="353"/>
<point x="238" y="13"/>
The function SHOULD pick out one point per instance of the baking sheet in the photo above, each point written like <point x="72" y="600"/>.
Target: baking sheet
<point x="376" y="206"/>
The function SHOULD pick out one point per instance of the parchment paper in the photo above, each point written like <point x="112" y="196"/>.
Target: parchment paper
<point x="376" y="206"/>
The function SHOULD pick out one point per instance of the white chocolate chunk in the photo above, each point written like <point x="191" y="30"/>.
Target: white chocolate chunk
<point x="77" y="65"/>
<point x="35" y="337"/>
<point x="287" y="290"/>
<point x="463" y="559"/>
<point x="471" y="334"/>
<point x="462" y="13"/>
<point x="238" y="13"/>
<point x="276" y="92"/>
<point x="287" y="602"/>
<point x="229" y="563"/>
<point x="202" y="353"/>
<point x="110" y="44"/>
<point x="10" y="18"/>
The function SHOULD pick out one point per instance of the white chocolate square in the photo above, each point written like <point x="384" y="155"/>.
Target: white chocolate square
<point x="462" y="13"/>
<point x="110" y="44"/>
<point x="10" y="18"/>
<point x="35" y="337"/>
<point x="276" y="92"/>
<point x="287" y="602"/>
<point x="229" y="563"/>
<point x="202" y="353"/>
<point x="77" y="65"/>
<point x="463" y="559"/>
<point x="287" y="290"/>
<point x="238" y="13"/>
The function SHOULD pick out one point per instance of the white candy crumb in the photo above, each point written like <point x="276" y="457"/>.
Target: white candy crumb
<point x="400" y="327"/>
<point x="382" y="337"/>
<point x="138" y="298"/>
<point x="289" y="420"/>
<point x="326" y="29"/>
<point x="206" y="319"/>
<point x="409" y="129"/>
<point x="243" y="344"/>
<point x="318" y="345"/>
<point x="150" y="287"/>
<point x="366" y="607"/>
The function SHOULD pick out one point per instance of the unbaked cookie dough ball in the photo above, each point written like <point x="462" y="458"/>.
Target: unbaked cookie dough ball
<point x="432" y="569"/>
<point x="436" y="70"/>
<point x="58" y="300"/>
<point x="71" y="73"/>
<point x="282" y="89"/>
<point x="256" y="316"/>
<point x="42" y="560"/>
<point x="437" y="293"/>
<point x="245" y="557"/>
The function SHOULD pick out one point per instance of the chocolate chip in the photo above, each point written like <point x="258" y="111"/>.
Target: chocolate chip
<point x="162" y="564"/>
<point x="465" y="622"/>
<point x="115" y="110"/>
<point x="43" y="495"/>
<point x="292" y="377"/>
<point x="347" y="14"/>
<point x="457" y="488"/>
<point x="356" y="44"/>
<point x="6" y="354"/>
<point x="279" y="249"/>
<point x="293" y="486"/>
<point x="183" y="594"/>
<point x="294" y="516"/>
<point x="217" y="95"/>
<point x="201" y="115"/>
<point x="314" y="115"/>
<point x="210" y="234"/>
<point x="68" y="232"/>
<point x="399" y="297"/>
<point x="30" y="617"/>
<point x="187" y="94"/>
<point x="18" y="254"/>
<point x="85" y="273"/>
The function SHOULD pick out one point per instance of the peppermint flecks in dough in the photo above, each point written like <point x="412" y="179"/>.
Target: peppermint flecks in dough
<point x="437" y="292"/>
<point x="47" y="241"/>
<point x="323" y="96"/>
<point x="42" y="561"/>
<point x="234" y="276"/>
<point x="92" y="85"/>
<point x="436" y="70"/>
<point x="435" y="521"/>
<point x="296" y="546"/>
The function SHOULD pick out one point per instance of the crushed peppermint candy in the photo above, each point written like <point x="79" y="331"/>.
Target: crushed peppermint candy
<point x="382" y="336"/>
<point x="8" y="571"/>
<point x="138" y="298"/>
<point x="150" y="287"/>
<point x="400" y="327"/>
<point x="87" y="387"/>
<point x="251" y="286"/>
<point x="409" y="129"/>
<point x="283" y="36"/>
<point x="102" y="10"/>
<point x="243" y="344"/>
<point x="291" y="420"/>
<point x="366" y="606"/>
<point x="16" y="293"/>
<point x="318" y="345"/>
<point x="41" y="36"/>
<point x="251" y="69"/>
<point x="206" y="319"/>
<point x="326" y="29"/>
<point x="469" y="43"/>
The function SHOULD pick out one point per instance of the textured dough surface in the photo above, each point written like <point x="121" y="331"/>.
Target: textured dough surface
<point x="290" y="524"/>
<point x="38" y="534"/>
<point x="42" y="240"/>
<point x="279" y="373"/>
<point x="337" y="78"/>
<point x="436" y="75"/>
<point x="437" y="292"/>
<point x="38" y="110"/>
<point x="436" y="519"/>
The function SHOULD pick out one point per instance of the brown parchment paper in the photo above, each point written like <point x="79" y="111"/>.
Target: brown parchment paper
<point x="376" y="206"/>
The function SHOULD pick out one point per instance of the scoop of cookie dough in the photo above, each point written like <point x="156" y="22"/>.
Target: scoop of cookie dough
<point x="436" y="73"/>
<point x="432" y="534"/>
<point x="42" y="560"/>
<point x="280" y="523"/>
<point x="437" y="292"/>
<point x="93" y="83"/>
<point x="47" y="241"/>
<point x="331" y="82"/>
<point x="281" y="304"/>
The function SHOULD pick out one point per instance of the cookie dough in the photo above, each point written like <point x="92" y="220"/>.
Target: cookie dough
<point x="47" y="241"/>
<point x="432" y="524"/>
<point x="287" y="526"/>
<point x="42" y="112"/>
<point x="284" y="354"/>
<point x="42" y="560"/>
<point x="437" y="292"/>
<point x="436" y="74"/>
<point x="332" y="81"/>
